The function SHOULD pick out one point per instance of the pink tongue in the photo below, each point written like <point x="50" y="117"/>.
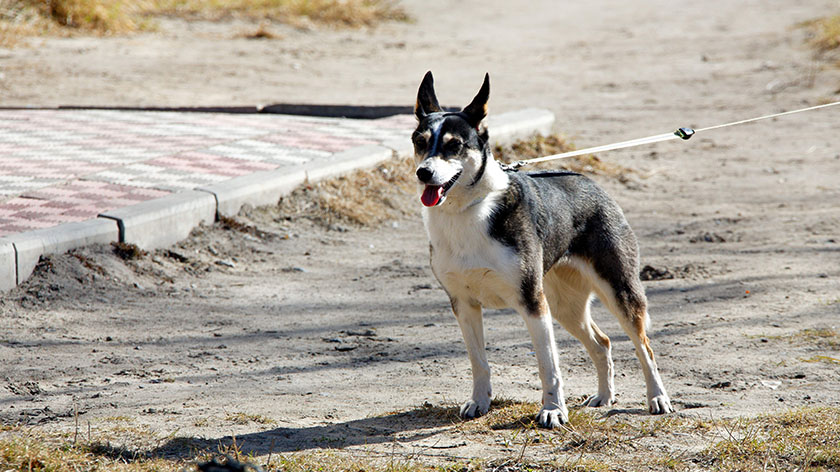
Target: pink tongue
<point x="431" y="195"/>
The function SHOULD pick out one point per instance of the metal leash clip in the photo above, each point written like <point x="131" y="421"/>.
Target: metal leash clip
<point x="684" y="133"/>
<point x="513" y="166"/>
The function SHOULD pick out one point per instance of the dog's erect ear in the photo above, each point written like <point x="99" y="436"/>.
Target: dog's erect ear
<point x="426" y="102"/>
<point x="477" y="110"/>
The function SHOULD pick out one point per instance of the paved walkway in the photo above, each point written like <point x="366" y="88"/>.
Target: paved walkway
<point x="70" y="178"/>
<point x="59" y="166"/>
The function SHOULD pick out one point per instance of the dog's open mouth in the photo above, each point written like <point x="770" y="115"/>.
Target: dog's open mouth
<point x="434" y="194"/>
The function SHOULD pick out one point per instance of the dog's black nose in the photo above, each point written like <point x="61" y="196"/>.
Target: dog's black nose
<point x="424" y="174"/>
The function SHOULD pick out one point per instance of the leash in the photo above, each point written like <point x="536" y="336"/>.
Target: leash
<point x="684" y="133"/>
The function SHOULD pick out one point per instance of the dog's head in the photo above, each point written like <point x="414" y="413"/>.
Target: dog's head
<point x="450" y="148"/>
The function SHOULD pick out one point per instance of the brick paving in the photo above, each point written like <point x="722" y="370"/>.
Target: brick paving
<point x="59" y="166"/>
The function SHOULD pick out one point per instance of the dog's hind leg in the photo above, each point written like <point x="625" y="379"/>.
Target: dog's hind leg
<point x="625" y="298"/>
<point x="634" y="322"/>
<point x="568" y="294"/>
<point x="468" y="314"/>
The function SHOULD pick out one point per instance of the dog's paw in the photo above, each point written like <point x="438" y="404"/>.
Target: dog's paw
<point x="552" y="417"/>
<point x="473" y="409"/>
<point x="599" y="400"/>
<point x="660" y="404"/>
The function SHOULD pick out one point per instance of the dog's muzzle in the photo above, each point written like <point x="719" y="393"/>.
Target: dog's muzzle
<point x="434" y="194"/>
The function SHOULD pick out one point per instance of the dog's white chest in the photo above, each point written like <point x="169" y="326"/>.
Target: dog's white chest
<point x="467" y="261"/>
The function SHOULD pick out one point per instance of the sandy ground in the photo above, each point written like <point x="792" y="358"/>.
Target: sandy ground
<point x="300" y="337"/>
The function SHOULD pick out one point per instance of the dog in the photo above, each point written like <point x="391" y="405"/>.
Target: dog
<point x="541" y="243"/>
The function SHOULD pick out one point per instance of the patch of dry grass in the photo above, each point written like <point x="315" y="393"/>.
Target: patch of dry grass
<point x="539" y="146"/>
<point x="17" y="20"/>
<point x="826" y="33"/>
<point x="803" y="439"/>
<point x="362" y="198"/>
<point x="349" y="13"/>
<point x="822" y="337"/>
<point x="128" y="251"/>
<point x="263" y="31"/>
<point x="33" y="451"/>
<point x="825" y="338"/>
<point x="825" y="359"/>
<point x="807" y="439"/>
<point x="591" y="440"/>
<point x="246" y="418"/>
<point x="588" y="431"/>
<point x="22" y="18"/>
<point x="28" y="450"/>
<point x="335" y="461"/>
<point x="105" y="16"/>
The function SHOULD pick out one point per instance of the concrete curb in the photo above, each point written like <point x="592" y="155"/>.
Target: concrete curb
<point x="8" y="265"/>
<point x="165" y="221"/>
<point x="28" y="247"/>
<point x="265" y="188"/>
<point x="403" y="147"/>
<point x="347" y="161"/>
<point x="509" y="127"/>
<point x="260" y="188"/>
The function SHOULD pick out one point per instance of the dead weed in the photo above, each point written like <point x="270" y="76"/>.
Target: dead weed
<point x="539" y="146"/>
<point x="803" y="439"/>
<point x="31" y="450"/>
<point x="825" y="33"/>
<point x="806" y="439"/>
<point x="348" y="13"/>
<point x="128" y="251"/>
<point x="232" y="224"/>
<point x="362" y="198"/>
<point x="248" y="418"/>
<point x="824" y="338"/>
<point x="111" y="16"/>
<point x="21" y="18"/>
<point x="263" y="31"/>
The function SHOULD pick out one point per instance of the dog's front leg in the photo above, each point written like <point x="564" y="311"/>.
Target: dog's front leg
<point x="468" y="314"/>
<point x="538" y="320"/>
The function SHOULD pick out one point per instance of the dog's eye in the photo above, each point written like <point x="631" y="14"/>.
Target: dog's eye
<point x="453" y="146"/>
<point x="419" y="141"/>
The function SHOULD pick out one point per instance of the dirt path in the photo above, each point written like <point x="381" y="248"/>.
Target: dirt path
<point x="304" y="337"/>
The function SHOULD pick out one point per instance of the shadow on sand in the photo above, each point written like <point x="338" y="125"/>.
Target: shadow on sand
<point x="413" y="425"/>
